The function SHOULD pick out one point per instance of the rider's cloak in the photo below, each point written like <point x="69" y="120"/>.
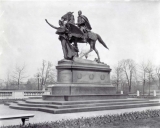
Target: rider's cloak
<point x="87" y="24"/>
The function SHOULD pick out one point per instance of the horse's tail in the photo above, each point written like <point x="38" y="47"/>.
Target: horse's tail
<point x="101" y="41"/>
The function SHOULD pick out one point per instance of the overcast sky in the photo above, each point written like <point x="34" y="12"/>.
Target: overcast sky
<point x="129" y="29"/>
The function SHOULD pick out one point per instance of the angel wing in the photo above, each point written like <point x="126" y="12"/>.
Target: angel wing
<point x="75" y="30"/>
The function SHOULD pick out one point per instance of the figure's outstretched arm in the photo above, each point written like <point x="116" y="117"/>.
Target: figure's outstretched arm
<point x="51" y="24"/>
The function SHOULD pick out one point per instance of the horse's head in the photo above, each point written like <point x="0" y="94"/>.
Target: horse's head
<point x="69" y="17"/>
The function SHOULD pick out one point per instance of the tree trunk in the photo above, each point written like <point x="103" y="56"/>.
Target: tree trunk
<point x="42" y="82"/>
<point x="129" y="88"/>
<point x="159" y="84"/>
<point x="144" y="82"/>
<point x="130" y="81"/>
<point x="38" y="83"/>
<point x="149" y="86"/>
<point x="18" y="84"/>
<point x="117" y="88"/>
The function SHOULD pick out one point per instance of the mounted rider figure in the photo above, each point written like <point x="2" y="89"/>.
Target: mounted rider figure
<point x="83" y="23"/>
<point x="85" y="27"/>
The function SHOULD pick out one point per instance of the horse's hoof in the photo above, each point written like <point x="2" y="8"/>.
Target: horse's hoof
<point x="98" y="61"/>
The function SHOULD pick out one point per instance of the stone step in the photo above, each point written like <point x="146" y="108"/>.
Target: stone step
<point x="7" y="103"/>
<point x="100" y="108"/>
<point x="22" y="103"/>
<point x="43" y="109"/>
<point x="15" y="106"/>
<point x="83" y="109"/>
<point x="40" y="101"/>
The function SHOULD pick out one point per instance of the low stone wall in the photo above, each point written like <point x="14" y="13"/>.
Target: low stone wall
<point x="21" y="94"/>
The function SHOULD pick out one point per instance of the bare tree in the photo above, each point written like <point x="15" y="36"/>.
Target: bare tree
<point x="143" y="74"/>
<point x="52" y="77"/>
<point x="158" y="75"/>
<point x="46" y="73"/>
<point x="118" y="74"/>
<point x="19" y="74"/>
<point x="8" y="80"/>
<point x="42" y="72"/>
<point x="150" y="73"/>
<point x="129" y="69"/>
<point x="123" y="83"/>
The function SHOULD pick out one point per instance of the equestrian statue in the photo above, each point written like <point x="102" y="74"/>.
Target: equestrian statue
<point x="71" y="33"/>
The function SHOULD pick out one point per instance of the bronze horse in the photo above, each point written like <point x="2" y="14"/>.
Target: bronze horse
<point x="77" y="36"/>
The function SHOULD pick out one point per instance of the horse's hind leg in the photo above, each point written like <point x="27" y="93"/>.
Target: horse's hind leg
<point x="94" y="48"/>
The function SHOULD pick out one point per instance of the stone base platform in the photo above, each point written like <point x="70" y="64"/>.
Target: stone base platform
<point x="77" y="91"/>
<point x="57" y="107"/>
<point x="81" y="97"/>
<point x="81" y="89"/>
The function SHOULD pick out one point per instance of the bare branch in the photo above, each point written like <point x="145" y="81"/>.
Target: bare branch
<point x="129" y="69"/>
<point x="19" y="73"/>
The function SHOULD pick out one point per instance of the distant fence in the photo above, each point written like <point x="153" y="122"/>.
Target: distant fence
<point x="153" y="94"/>
<point x="21" y="94"/>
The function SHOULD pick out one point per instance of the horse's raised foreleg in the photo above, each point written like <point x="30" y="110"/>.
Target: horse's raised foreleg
<point x="85" y="54"/>
<point x="76" y="46"/>
<point x="91" y="49"/>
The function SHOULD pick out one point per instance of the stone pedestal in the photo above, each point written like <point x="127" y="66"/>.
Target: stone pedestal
<point x="82" y="77"/>
<point x="83" y="71"/>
